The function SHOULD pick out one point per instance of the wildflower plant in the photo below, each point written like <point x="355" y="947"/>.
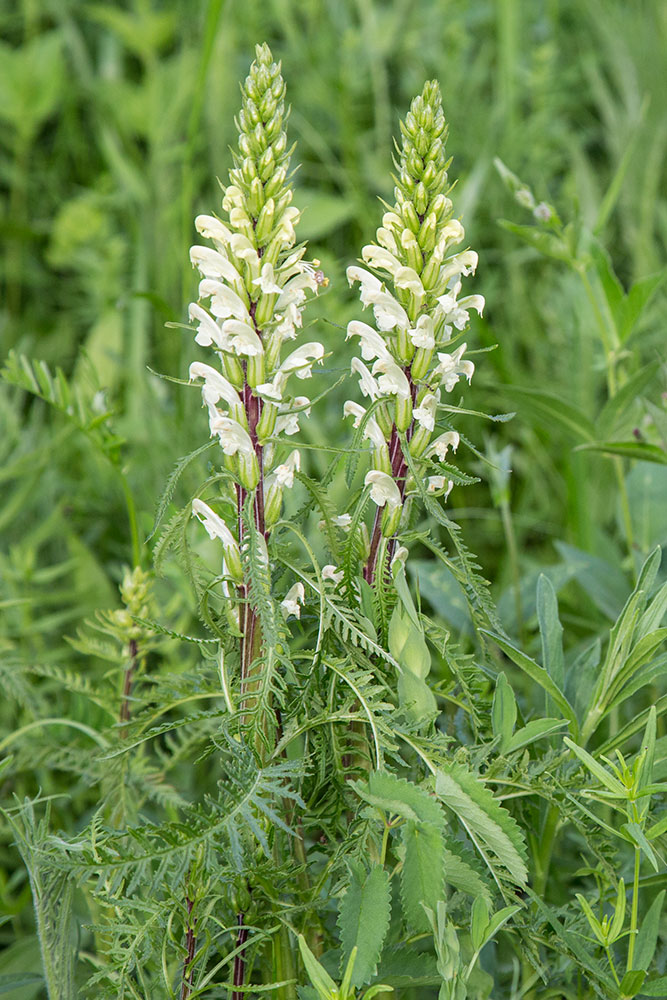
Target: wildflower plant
<point x="315" y="792"/>
<point x="412" y="282"/>
<point x="254" y="284"/>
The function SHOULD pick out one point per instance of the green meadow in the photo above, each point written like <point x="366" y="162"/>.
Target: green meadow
<point x="437" y="774"/>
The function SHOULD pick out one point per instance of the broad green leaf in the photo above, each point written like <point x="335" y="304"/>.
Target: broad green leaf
<point x="364" y="920"/>
<point x="548" y="244"/>
<point x="647" y="487"/>
<point x="551" y="631"/>
<point x="534" y="730"/>
<point x="538" y="674"/>
<point x="604" y="582"/>
<point x="479" y="921"/>
<point x="489" y="826"/>
<point x="631" y="982"/>
<point x="637" y="299"/>
<point x="9" y="983"/>
<point x="439" y="587"/>
<point x="648" y="933"/>
<point x="550" y="410"/>
<point x="628" y="449"/>
<point x="504" y="711"/>
<point x="655" y="987"/>
<point x="423" y="873"/>
<point x="402" y="965"/>
<point x="398" y="797"/>
<point x="497" y="921"/>
<point x="613" y="416"/>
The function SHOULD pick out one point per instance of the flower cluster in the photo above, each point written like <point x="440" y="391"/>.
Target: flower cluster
<point x="413" y="282"/>
<point x="254" y="283"/>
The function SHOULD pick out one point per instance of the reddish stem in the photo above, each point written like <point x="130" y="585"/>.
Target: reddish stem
<point x="191" y="947"/>
<point x="239" y="960"/>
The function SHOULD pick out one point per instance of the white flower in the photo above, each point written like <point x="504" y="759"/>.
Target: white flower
<point x="456" y="312"/>
<point x="329" y="573"/>
<point x="386" y="238"/>
<point x="232" y="436"/>
<point x="295" y="596"/>
<point x="301" y="361"/>
<point x="283" y="475"/>
<point x="208" y="331"/>
<point x="212" y="229"/>
<point x="371" y="427"/>
<point x="388" y="312"/>
<point x="287" y="421"/>
<point x="224" y="300"/>
<point x="367" y="383"/>
<point x="380" y="259"/>
<point x="342" y="520"/>
<point x="214" y="524"/>
<point x="267" y="280"/>
<point x="424" y="414"/>
<point x="383" y="489"/>
<point x="437" y="483"/>
<point x="407" y="277"/>
<point x="288" y="221"/>
<point x="443" y="443"/>
<point x="212" y="264"/>
<point x="451" y="367"/>
<point x="243" y="339"/>
<point x="272" y="390"/>
<point x="461" y="263"/>
<point x="452" y="234"/>
<point x="372" y="344"/>
<point x="422" y="334"/>
<point x="392" y="379"/>
<point x="215" y="386"/>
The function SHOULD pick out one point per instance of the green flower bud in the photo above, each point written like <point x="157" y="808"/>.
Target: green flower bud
<point x="273" y="502"/>
<point x="421" y="363"/>
<point x="391" y="519"/>
<point x="267" y="422"/>
<point x="255" y="370"/>
<point x="233" y="370"/>
<point x="427" y="233"/>
<point x="403" y="413"/>
<point x="410" y="217"/>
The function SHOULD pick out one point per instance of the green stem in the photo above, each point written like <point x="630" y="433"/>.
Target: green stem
<point x="132" y="518"/>
<point x="635" y="908"/>
<point x="543" y="859"/>
<point x="611" y="965"/>
<point x="510" y="541"/>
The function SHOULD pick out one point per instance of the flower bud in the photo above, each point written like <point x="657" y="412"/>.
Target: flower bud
<point x="410" y="217"/>
<point x="421" y="362"/>
<point x="267" y="422"/>
<point x="403" y="413"/>
<point x="391" y="519"/>
<point x="255" y="370"/>
<point x="233" y="370"/>
<point x="265" y="222"/>
<point x="427" y="233"/>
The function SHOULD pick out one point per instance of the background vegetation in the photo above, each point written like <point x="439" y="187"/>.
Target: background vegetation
<point x="115" y="120"/>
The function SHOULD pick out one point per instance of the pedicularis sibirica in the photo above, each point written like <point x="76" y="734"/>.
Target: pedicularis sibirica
<point x="251" y="296"/>
<point x="412" y="281"/>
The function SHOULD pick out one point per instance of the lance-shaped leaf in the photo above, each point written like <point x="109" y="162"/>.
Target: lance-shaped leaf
<point x="363" y="920"/>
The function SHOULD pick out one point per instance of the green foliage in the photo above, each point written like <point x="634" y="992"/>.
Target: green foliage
<point x="451" y="778"/>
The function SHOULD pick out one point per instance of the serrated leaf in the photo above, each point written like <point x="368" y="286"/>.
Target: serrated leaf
<point x="423" y="875"/>
<point x="399" y="797"/>
<point x="490" y="827"/>
<point x="363" y="920"/>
